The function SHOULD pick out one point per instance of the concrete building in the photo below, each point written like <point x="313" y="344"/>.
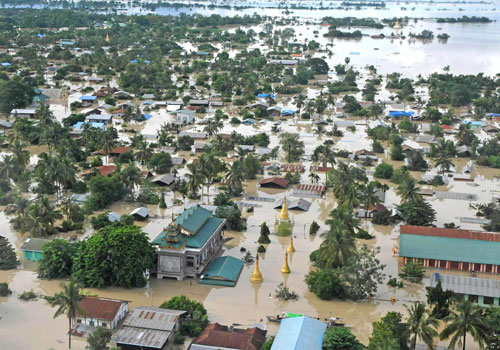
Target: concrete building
<point x="102" y="312"/>
<point x="188" y="244"/>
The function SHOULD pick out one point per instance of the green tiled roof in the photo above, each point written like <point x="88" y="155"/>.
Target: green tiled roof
<point x="192" y="219"/>
<point x="223" y="271"/>
<point x="199" y="239"/>
<point x="451" y="249"/>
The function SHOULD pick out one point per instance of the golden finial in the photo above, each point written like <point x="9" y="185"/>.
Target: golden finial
<point x="256" y="275"/>
<point x="284" y="211"/>
<point x="107" y="37"/>
<point x="285" y="268"/>
<point x="291" y="248"/>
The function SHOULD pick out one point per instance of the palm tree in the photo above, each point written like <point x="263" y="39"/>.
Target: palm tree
<point x="195" y="179"/>
<point x="107" y="142"/>
<point x="314" y="178"/>
<point x="128" y="113"/>
<point x="20" y="155"/>
<point x="300" y="102"/>
<point x="45" y="115"/>
<point x="41" y="217"/>
<point x="408" y="190"/>
<point x="8" y="168"/>
<point x="234" y="176"/>
<point x="444" y="163"/>
<point x="369" y="195"/>
<point x="465" y="135"/>
<point x="343" y="216"/>
<point x="131" y="176"/>
<point x="337" y="246"/>
<point x="420" y="325"/>
<point x="67" y="303"/>
<point x="468" y="318"/>
<point x="143" y="152"/>
<point x="327" y="156"/>
<point x="340" y="179"/>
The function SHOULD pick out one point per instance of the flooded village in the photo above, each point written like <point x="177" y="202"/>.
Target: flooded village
<point x="250" y="175"/>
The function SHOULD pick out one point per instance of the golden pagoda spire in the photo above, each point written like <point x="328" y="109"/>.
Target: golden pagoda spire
<point x="107" y="37"/>
<point x="284" y="211"/>
<point x="256" y="275"/>
<point x="285" y="268"/>
<point x="291" y="248"/>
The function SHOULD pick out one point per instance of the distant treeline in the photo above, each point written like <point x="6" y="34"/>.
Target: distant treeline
<point x="353" y="22"/>
<point x="464" y="19"/>
<point x="339" y="34"/>
<point x="362" y="4"/>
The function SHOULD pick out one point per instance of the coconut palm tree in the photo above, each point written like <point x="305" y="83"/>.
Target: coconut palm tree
<point x="444" y="163"/>
<point x="343" y="215"/>
<point x="8" y="169"/>
<point x="465" y="135"/>
<point x="314" y="178"/>
<point x="468" y="318"/>
<point x="369" y="195"/>
<point x="337" y="246"/>
<point x="420" y="325"/>
<point x="143" y="152"/>
<point x="40" y="217"/>
<point x="300" y="102"/>
<point x="21" y="156"/>
<point x="234" y="176"/>
<point x="340" y="179"/>
<point x="45" y="115"/>
<point x="195" y="179"/>
<point x="408" y="190"/>
<point x="327" y="156"/>
<point x="128" y="113"/>
<point x="107" y="143"/>
<point x="67" y="303"/>
<point x="131" y="176"/>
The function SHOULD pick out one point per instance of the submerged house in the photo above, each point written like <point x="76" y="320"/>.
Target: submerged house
<point x="32" y="248"/>
<point x="300" y="333"/>
<point x="97" y="311"/>
<point x="188" y="244"/>
<point x="216" y="336"/>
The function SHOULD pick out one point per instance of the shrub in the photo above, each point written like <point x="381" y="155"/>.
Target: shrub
<point x="413" y="271"/>
<point x="261" y="249"/>
<point x="4" y="289"/>
<point x="326" y="284"/>
<point x="285" y="228"/>
<point x="282" y="292"/>
<point x="27" y="295"/>
<point x="383" y="171"/>
<point x="314" y="228"/>
<point x="8" y="258"/>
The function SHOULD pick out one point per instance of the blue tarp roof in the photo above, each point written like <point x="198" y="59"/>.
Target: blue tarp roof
<point x="5" y="64"/>
<point x="353" y="53"/>
<point x="287" y="112"/>
<point x="398" y="114"/>
<point x="265" y="95"/>
<point x="299" y="333"/>
<point x="472" y="122"/>
<point x="203" y="53"/>
<point x="147" y="116"/>
<point x="133" y="61"/>
<point x="78" y="125"/>
<point x="88" y="98"/>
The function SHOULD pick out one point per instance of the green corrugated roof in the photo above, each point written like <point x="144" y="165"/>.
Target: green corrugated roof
<point x="192" y="219"/>
<point x="34" y="244"/>
<point x="204" y="233"/>
<point x="223" y="271"/>
<point x="451" y="249"/>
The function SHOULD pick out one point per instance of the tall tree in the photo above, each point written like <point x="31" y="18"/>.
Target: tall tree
<point x="468" y="318"/>
<point x="67" y="303"/>
<point x="420" y="325"/>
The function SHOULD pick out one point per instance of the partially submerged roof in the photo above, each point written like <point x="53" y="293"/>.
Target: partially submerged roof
<point x="153" y="318"/>
<point x="467" y="285"/>
<point x="34" y="244"/>
<point x="274" y="181"/>
<point x="296" y="204"/>
<point x="222" y="271"/>
<point x="142" y="212"/>
<point x="165" y="179"/>
<point x="299" y="333"/>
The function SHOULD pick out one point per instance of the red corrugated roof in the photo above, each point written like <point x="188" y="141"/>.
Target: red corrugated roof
<point x="216" y="335"/>
<point x="449" y="233"/>
<point x="312" y="188"/>
<point x="120" y="150"/>
<point x="100" y="308"/>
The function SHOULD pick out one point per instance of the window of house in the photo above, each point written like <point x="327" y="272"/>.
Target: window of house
<point x="473" y="298"/>
<point x="477" y="267"/>
<point x="432" y="263"/>
<point x="488" y="300"/>
<point x="104" y="324"/>
<point x="489" y="268"/>
<point x="190" y="261"/>
<point x="442" y="264"/>
<point x="465" y="266"/>
<point x="454" y="265"/>
<point x="78" y="321"/>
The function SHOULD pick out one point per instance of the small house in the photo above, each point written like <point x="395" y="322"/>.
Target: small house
<point x="300" y="333"/>
<point x="89" y="99"/>
<point x="222" y="271"/>
<point x="164" y="180"/>
<point x="116" y="152"/>
<point x="216" y="336"/>
<point x="23" y="113"/>
<point x="184" y="116"/>
<point x="122" y="94"/>
<point x="100" y="312"/>
<point x="296" y="204"/>
<point x="99" y="118"/>
<point x="307" y="190"/>
<point x="203" y="103"/>
<point x="141" y="213"/>
<point x="274" y="182"/>
<point x="32" y="248"/>
<point x="148" y="328"/>
<point x="491" y="129"/>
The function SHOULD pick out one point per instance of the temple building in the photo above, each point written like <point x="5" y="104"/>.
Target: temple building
<point x="188" y="244"/>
